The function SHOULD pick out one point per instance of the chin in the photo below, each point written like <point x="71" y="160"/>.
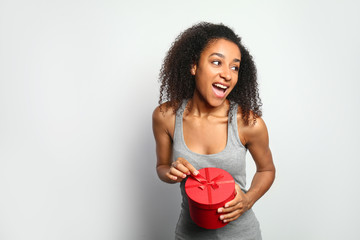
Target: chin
<point x="217" y="102"/>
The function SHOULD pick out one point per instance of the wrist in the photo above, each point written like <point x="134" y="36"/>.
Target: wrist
<point x="251" y="199"/>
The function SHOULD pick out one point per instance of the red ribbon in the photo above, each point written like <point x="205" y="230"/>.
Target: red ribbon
<point x="208" y="183"/>
<point x="204" y="182"/>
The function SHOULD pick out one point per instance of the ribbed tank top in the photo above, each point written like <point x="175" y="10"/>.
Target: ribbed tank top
<point x="231" y="159"/>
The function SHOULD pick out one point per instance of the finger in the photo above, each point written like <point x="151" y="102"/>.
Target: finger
<point x="177" y="173"/>
<point x="229" y="206"/>
<point x="233" y="202"/>
<point x="232" y="219"/>
<point x="238" y="197"/>
<point x="182" y="168"/>
<point x="231" y="215"/>
<point x="188" y="166"/>
<point x="231" y="209"/>
<point x="172" y="177"/>
<point x="174" y="164"/>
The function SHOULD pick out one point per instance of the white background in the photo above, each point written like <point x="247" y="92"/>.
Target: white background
<point x="79" y="82"/>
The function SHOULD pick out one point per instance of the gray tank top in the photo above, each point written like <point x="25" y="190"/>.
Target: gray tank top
<point x="231" y="159"/>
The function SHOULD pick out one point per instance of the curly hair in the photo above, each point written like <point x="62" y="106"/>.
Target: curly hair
<point x="177" y="83"/>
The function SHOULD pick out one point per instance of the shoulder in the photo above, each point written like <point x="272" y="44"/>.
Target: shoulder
<point x="254" y="131"/>
<point x="163" y="112"/>
<point x="163" y="118"/>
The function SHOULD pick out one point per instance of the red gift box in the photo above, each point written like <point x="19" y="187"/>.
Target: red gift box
<point x="206" y="192"/>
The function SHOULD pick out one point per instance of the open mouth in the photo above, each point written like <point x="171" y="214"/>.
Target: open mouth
<point x="219" y="89"/>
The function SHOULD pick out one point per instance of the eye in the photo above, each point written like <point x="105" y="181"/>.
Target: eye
<point x="235" y="68"/>
<point x="216" y="62"/>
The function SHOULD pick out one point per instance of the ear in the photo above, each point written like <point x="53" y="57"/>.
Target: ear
<point x="193" y="69"/>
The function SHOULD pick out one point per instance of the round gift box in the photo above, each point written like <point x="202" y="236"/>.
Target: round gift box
<point x="206" y="192"/>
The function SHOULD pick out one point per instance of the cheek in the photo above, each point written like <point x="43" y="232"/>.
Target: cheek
<point x="236" y="76"/>
<point x="235" y="81"/>
<point x="234" y="84"/>
<point x="202" y="77"/>
<point x="199" y="82"/>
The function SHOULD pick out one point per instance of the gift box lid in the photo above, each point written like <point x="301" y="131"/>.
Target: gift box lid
<point x="211" y="188"/>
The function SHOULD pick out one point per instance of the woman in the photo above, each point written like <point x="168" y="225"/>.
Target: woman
<point x="209" y="116"/>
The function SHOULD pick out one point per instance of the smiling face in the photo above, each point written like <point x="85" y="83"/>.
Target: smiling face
<point x="216" y="74"/>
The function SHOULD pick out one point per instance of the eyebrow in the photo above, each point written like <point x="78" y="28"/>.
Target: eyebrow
<point x="222" y="56"/>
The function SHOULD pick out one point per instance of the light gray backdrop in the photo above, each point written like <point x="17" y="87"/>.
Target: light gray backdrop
<point x="79" y="82"/>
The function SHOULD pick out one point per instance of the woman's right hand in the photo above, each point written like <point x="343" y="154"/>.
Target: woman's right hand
<point x="179" y="169"/>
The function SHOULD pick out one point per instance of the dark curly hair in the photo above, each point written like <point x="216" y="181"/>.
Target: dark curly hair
<point x="177" y="83"/>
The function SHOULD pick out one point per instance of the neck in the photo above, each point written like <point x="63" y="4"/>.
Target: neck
<point x="201" y="108"/>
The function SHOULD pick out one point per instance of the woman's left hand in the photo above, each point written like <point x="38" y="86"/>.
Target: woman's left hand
<point x="236" y="207"/>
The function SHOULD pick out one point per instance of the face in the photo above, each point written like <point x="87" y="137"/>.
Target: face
<point x="216" y="74"/>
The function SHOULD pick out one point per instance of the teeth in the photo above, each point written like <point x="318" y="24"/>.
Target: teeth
<point x="220" y="86"/>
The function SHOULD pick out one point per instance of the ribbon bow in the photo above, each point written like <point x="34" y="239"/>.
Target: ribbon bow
<point x="208" y="184"/>
<point x="204" y="182"/>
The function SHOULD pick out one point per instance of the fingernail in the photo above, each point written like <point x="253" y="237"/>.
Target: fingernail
<point x="174" y="178"/>
<point x="188" y="173"/>
<point x="220" y="210"/>
<point x="184" y="175"/>
<point x="196" y="173"/>
<point x="224" y="221"/>
<point x="221" y="217"/>
<point x="226" y="205"/>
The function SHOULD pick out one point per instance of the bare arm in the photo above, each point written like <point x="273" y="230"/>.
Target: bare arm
<point x="163" y="128"/>
<point x="257" y="141"/>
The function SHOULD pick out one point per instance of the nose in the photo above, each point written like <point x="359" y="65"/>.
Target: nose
<point x="225" y="74"/>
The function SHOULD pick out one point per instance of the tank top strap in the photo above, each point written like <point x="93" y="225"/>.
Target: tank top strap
<point x="178" y="121"/>
<point x="233" y="127"/>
